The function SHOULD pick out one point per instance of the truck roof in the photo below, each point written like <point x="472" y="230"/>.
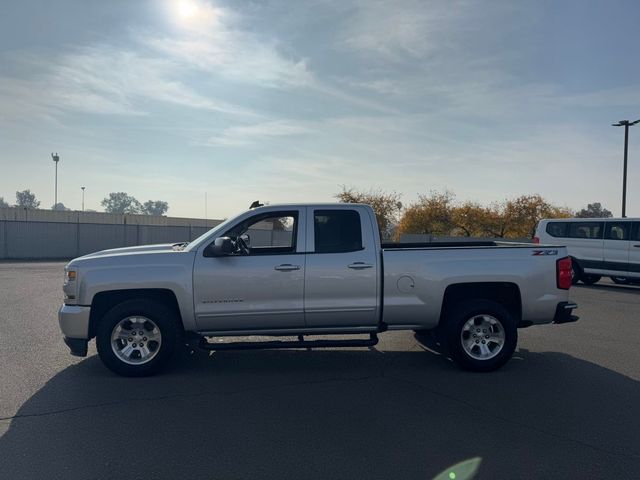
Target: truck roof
<point x="326" y="204"/>
<point x="596" y="219"/>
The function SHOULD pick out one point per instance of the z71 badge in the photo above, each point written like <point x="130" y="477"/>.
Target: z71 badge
<point x="544" y="252"/>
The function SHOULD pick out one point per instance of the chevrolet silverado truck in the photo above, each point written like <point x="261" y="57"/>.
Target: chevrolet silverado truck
<point x="302" y="270"/>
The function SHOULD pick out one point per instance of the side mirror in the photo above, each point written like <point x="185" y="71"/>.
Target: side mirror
<point x="220" y="247"/>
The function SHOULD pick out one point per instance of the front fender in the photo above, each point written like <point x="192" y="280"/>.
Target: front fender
<point x="172" y="272"/>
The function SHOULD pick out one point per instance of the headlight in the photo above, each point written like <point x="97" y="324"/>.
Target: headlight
<point x="70" y="287"/>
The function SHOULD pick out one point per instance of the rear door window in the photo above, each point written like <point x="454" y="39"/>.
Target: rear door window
<point x="586" y="230"/>
<point x="617" y="231"/>
<point x="337" y="231"/>
<point x="557" y="229"/>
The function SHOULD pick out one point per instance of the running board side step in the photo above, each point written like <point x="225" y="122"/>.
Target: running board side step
<point x="300" y="343"/>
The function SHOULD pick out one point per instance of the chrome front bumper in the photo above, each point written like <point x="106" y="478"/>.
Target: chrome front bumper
<point x="74" y="321"/>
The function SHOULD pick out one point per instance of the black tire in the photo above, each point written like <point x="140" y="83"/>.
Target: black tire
<point x="590" y="279"/>
<point x="429" y="338"/>
<point x="472" y="309"/>
<point x="576" y="272"/>
<point x="621" y="280"/>
<point x="163" y="317"/>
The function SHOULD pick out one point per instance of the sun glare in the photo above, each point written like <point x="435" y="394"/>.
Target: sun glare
<point x="186" y="9"/>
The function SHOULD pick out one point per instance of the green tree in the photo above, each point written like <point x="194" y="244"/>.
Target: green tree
<point x="594" y="210"/>
<point x="121" y="202"/>
<point x="26" y="199"/>
<point x="3" y="204"/>
<point x="59" y="206"/>
<point x="386" y="205"/>
<point x="155" y="207"/>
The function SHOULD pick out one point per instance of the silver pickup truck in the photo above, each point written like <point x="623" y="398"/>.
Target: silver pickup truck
<point x="303" y="270"/>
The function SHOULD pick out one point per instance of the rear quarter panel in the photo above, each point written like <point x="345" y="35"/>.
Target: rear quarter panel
<point x="431" y="271"/>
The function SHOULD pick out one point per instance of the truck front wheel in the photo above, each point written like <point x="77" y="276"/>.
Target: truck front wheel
<point x="137" y="337"/>
<point x="481" y="335"/>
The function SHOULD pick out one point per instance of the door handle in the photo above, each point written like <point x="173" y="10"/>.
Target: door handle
<point x="637" y="246"/>
<point x="287" y="267"/>
<point x="359" y="265"/>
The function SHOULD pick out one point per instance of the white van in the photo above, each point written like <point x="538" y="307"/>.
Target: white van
<point x="598" y="246"/>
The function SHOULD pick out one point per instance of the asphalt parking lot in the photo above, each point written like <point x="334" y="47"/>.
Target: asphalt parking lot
<point x="567" y="405"/>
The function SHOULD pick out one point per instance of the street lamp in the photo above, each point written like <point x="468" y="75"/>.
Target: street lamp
<point x="82" y="198"/>
<point x="626" y="124"/>
<point x="56" y="159"/>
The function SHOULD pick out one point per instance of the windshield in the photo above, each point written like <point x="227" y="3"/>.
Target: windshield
<point x="210" y="233"/>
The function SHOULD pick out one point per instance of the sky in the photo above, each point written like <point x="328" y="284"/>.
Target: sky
<point x="287" y="101"/>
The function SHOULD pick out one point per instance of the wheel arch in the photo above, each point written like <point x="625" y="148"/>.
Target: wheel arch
<point x="103" y="301"/>
<point x="507" y="294"/>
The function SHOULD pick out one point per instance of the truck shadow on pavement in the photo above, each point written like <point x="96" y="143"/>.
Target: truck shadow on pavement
<point x="328" y="414"/>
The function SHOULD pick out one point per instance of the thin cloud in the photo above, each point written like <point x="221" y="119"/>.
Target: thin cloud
<point x="613" y="97"/>
<point x="214" y="42"/>
<point x="219" y="45"/>
<point x="383" y="86"/>
<point x="104" y="80"/>
<point x="248" y="134"/>
<point x="395" y="31"/>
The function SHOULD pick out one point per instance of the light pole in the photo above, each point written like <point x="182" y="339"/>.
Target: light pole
<point x="626" y="124"/>
<point x="82" y="198"/>
<point x="56" y="159"/>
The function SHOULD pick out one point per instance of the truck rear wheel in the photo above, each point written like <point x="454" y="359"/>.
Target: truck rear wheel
<point x="481" y="335"/>
<point x="590" y="279"/>
<point x="137" y="337"/>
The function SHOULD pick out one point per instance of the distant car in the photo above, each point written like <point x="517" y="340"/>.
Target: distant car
<point x="598" y="246"/>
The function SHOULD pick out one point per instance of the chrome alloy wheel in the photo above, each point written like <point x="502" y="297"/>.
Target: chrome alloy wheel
<point x="482" y="337"/>
<point x="136" y="340"/>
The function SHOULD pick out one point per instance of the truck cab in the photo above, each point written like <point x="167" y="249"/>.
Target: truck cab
<point x="295" y="267"/>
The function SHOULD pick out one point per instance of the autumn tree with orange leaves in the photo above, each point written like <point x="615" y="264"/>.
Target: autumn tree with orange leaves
<point x="438" y="214"/>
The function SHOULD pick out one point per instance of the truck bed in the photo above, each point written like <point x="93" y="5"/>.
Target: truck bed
<point x="416" y="277"/>
<point x="470" y="243"/>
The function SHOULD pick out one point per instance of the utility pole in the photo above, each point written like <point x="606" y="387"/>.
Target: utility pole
<point x="56" y="159"/>
<point x="626" y="124"/>
<point x="82" y="198"/>
<point x="205" y="209"/>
